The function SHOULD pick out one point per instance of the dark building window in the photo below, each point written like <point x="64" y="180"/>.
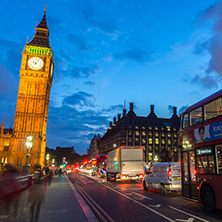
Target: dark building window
<point x="137" y="141"/>
<point x="123" y="133"/>
<point x="6" y="148"/>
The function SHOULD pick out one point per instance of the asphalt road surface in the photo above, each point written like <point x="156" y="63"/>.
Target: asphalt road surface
<point x="127" y="201"/>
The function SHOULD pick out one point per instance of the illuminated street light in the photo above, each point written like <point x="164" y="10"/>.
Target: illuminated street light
<point x="28" y="144"/>
<point x="47" y="158"/>
<point x="156" y="158"/>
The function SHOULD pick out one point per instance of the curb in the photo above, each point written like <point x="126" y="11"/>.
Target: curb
<point x="90" y="216"/>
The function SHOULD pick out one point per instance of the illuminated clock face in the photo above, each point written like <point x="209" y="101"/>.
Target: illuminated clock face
<point x="35" y="63"/>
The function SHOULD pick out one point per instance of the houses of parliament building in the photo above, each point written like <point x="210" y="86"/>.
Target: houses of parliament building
<point x="31" y="115"/>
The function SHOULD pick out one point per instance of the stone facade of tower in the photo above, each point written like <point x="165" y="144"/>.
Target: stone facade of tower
<point x="31" y="114"/>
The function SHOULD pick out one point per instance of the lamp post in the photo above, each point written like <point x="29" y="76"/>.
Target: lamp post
<point x="47" y="158"/>
<point x="28" y="144"/>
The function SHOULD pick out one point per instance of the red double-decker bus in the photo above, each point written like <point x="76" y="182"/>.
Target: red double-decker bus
<point x="200" y="139"/>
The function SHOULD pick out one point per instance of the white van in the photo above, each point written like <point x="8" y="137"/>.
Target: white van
<point x="164" y="176"/>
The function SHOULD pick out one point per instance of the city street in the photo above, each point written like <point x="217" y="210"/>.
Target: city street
<point x="127" y="201"/>
<point x="51" y="201"/>
<point x="81" y="197"/>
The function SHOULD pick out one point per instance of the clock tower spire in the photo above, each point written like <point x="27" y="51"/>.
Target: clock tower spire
<point x="36" y="75"/>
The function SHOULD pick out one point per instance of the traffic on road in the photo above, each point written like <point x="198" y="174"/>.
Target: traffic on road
<point x="128" y="201"/>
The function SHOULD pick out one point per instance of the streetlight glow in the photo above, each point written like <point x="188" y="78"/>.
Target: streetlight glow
<point x="28" y="144"/>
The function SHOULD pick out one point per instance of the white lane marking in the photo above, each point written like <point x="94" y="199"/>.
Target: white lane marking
<point x="158" y="205"/>
<point x="189" y="214"/>
<point x="189" y="220"/>
<point x="142" y="196"/>
<point x="154" y="211"/>
<point x="135" y="188"/>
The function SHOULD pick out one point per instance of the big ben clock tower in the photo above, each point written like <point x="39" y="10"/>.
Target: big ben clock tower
<point x="31" y="114"/>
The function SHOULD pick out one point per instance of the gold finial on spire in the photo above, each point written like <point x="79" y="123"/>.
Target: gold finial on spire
<point x="27" y="39"/>
<point x="46" y="7"/>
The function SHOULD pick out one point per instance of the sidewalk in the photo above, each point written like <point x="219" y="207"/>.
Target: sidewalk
<point x="63" y="203"/>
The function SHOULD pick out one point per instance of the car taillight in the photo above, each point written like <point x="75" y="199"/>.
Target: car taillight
<point x="170" y="173"/>
<point x="141" y="175"/>
<point x="123" y="176"/>
<point x="195" y="175"/>
<point x="195" y="171"/>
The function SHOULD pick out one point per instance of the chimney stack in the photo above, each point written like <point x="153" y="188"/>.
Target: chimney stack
<point x="152" y="108"/>
<point x="110" y="124"/>
<point x="174" y="110"/>
<point x="119" y="115"/>
<point x="124" y="112"/>
<point x="114" y="120"/>
<point x="131" y="106"/>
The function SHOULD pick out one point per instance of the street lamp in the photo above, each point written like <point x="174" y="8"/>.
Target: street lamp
<point x="28" y="144"/>
<point x="47" y="158"/>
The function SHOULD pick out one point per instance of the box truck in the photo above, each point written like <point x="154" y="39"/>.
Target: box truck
<point x="125" y="163"/>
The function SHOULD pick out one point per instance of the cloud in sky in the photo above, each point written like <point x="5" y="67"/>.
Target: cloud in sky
<point x="92" y="13"/>
<point x="77" y="126"/>
<point x="84" y="72"/>
<point x="134" y="54"/>
<point x="89" y="83"/>
<point x="80" y="42"/>
<point x="182" y="109"/>
<point x="79" y="98"/>
<point x="213" y="14"/>
<point x="108" y="51"/>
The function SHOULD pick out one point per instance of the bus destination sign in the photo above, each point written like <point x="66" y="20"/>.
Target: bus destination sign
<point x="205" y="151"/>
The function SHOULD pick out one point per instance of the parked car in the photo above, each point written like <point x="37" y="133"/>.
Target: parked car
<point x="164" y="176"/>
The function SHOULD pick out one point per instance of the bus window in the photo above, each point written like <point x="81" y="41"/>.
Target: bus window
<point x="196" y="116"/>
<point x="213" y="109"/>
<point x="206" y="165"/>
<point x="185" y="121"/>
<point x="219" y="159"/>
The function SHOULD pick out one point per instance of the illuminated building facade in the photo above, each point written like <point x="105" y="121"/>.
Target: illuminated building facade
<point x="31" y="115"/>
<point x="158" y="136"/>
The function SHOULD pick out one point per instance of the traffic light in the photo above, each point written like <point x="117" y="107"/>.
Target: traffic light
<point x="64" y="165"/>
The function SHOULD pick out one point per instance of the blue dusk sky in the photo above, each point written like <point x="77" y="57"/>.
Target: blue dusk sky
<point x="166" y="53"/>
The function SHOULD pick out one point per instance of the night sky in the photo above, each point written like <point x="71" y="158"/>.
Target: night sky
<point x="166" y="53"/>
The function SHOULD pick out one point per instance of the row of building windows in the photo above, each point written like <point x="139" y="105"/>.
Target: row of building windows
<point x="137" y="133"/>
<point x="157" y="140"/>
<point x="150" y="128"/>
<point x="150" y="141"/>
